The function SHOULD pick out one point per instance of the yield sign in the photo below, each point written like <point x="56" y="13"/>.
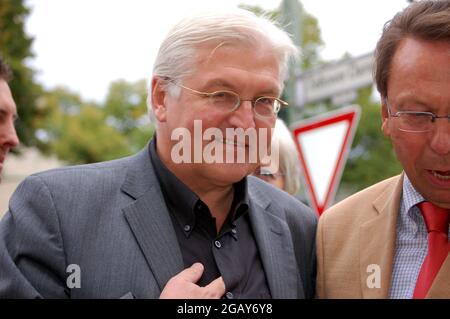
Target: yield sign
<point x="323" y="143"/>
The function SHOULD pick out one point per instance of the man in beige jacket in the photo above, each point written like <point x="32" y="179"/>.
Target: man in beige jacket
<point x="391" y="240"/>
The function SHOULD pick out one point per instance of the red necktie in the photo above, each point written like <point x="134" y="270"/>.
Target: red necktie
<point x="436" y="220"/>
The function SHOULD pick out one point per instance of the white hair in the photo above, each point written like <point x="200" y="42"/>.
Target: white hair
<point x="289" y="164"/>
<point x="176" y="57"/>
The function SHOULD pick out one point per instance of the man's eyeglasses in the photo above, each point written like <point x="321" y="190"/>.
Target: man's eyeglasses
<point x="417" y="122"/>
<point x="263" y="106"/>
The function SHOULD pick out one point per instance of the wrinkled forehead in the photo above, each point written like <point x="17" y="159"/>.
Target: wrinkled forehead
<point x="256" y="57"/>
<point x="209" y="50"/>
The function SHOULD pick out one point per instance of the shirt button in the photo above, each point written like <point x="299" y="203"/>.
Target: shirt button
<point x="229" y="295"/>
<point x="187" y="228"/>
<point x="217" y="244"/>
<point x="234" y="231"/>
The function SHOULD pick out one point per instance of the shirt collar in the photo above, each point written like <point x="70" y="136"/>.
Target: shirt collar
<point x="410" y="198"/>
<point x="175" y="192"/>
<point x="240" y="200"/>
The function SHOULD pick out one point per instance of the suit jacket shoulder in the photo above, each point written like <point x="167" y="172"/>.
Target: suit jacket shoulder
<point x="358" y="207"/>
<point x="75" y="216"/>
<point x="353" y="236"/>
<point x="282" y="216"/>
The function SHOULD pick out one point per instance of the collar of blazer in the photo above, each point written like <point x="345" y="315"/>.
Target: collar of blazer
<point x="150" y="222"/>
<point x="275" y="243"/>
<point x="377" y="240"/>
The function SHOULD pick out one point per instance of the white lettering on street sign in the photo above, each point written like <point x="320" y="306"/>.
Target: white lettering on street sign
<point x="334" y="78"/>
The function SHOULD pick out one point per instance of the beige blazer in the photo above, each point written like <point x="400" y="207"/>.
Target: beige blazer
<point x="356" y="243"/>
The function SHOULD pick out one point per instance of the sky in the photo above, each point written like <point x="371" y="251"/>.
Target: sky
<point x="86" y="44"/>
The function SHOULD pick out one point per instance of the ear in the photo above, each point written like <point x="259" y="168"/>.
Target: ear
<point x="159" y="99"/>
<point x="385" y="127"/>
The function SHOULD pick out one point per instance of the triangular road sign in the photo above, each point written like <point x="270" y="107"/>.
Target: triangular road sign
<point x="323" y="143"/>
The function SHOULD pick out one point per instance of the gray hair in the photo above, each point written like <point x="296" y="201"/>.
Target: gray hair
<point x="176" y="57"/>
<point x="289" y="164"/>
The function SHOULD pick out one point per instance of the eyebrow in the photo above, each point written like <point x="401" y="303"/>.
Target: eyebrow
<point x="232" y="87"/>
<point x="219" y="82"/>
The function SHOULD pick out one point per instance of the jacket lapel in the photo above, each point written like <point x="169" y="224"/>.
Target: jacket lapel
<point x="377" y="243"/>
<point x="275" y="246"/>
<point x="149" y="220"/>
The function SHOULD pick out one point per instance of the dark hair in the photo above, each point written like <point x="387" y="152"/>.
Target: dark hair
<point x="426" y="20"/>
<point x="5" y="71"/>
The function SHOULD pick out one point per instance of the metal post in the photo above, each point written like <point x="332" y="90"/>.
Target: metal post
<point x="291" y="20"/>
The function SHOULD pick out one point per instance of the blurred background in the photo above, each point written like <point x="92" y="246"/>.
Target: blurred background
<point x="81" y="71"/>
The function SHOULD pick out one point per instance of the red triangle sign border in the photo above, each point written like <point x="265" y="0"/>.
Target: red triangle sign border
<point x="349" y="114"/>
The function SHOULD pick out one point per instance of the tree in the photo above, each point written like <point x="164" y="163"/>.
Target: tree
<point x="126" y="110"/>
<point x="80" y="132"/>
<point x="15" y="47"/>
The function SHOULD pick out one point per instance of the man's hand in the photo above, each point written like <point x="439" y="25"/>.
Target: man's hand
<point x="183" y="286"/>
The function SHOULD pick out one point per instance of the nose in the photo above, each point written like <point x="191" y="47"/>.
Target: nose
<point x="440" y="142"/>
<point x="10" y="138"/>
<point x="243" y="116"/>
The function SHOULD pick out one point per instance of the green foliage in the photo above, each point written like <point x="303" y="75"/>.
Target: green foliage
<point x="126" y="109"/>
<point x="86" y="138"/>
<point x="15" y="47"/>
<point x="59" y="121"/>
<point x="80" y="132"/>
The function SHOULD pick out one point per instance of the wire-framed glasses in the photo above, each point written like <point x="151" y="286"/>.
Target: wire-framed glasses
<point x="263" y="106"/>
<point x="412" y="121"/>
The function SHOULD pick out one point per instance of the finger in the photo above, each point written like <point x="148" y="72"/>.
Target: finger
<point x="192" y="274"/>
<point x="216" y="287"/>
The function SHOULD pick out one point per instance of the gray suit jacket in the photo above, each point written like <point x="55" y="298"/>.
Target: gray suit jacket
<point x="111" y="220"/>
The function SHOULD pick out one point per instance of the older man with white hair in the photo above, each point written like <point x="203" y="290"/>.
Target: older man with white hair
<point x="180" y="219"/>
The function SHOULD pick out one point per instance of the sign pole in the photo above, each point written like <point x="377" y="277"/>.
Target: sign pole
<point x="291" y="20"/>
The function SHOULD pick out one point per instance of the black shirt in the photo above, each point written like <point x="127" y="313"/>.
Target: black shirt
<point x="231" y="253"/>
